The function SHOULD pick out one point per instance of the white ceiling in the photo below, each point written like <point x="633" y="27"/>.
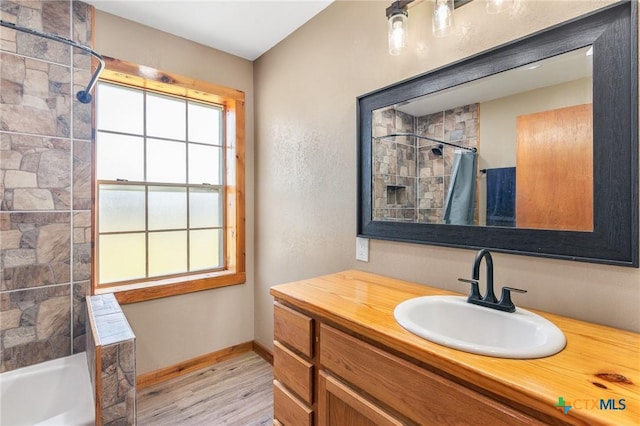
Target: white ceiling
<point x="559" y="69"/>
<point x="245" y="28"/>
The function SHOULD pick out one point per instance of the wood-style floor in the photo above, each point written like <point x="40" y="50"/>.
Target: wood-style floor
<point x="236" y="392"/>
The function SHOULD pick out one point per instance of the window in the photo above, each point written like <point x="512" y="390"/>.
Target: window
<point x="169" y="184"/>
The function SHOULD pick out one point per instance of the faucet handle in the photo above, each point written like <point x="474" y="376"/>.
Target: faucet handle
<point x="517" y="290"/>
<point x="475" y="289"/>
<point x="505" y="299"/>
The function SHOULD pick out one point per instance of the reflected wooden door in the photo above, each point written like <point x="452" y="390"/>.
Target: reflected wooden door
<point x="554" y="169"/>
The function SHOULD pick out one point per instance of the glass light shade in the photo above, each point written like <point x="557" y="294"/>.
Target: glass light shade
<point x="499" y="6"/>
<point x="398" y="31"/>
<point x="442" y="18"/>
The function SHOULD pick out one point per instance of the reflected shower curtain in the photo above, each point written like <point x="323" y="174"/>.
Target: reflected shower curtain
<point x="461" y="197"/>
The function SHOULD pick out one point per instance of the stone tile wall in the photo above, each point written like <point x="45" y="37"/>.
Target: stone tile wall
<point x="45" y="183"/>
<point x="111" y="355"/>
<point x="394" y="167"/>
<point x="460" y="126"/>
<point x="410" y="181"/>
<point x="118" y="405"/>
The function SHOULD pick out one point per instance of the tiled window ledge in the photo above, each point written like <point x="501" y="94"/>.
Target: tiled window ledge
<point x="111" y="357"/>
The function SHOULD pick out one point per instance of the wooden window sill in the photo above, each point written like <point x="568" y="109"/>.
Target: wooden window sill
<point x="149" y="290"/>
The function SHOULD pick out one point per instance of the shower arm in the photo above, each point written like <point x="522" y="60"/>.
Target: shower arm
<point x="391" y="135"/>
<point x="83" y="96"/>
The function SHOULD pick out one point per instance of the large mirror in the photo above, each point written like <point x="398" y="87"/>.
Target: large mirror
<point x="529" y="148"/>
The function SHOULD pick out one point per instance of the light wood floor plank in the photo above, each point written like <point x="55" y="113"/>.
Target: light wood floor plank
<point x="237" y="392"/>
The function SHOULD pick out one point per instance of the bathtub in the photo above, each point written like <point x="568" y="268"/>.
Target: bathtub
<point x="56" y="392"/>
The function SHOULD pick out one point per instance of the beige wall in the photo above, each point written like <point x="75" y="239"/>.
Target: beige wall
<point x="498" y="118"/>
<point x="179" y="328"/>
<point x="306" y="89"/>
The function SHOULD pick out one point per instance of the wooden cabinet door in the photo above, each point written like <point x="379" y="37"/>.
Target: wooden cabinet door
<point x="418" y="395"/>
<point x="554" y="169"/>
<point x="339" y="405"/>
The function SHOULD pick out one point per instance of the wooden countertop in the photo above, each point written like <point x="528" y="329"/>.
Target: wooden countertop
<point x="598" y="362"/>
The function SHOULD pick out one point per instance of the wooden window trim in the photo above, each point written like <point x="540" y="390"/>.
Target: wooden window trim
<point x="233" y="101"/>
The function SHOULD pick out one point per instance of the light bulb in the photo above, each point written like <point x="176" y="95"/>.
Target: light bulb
<point x="397" y="34"/>
<point x="442" y="20"/>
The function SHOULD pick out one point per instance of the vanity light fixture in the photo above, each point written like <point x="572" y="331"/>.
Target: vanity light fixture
<point x="398" y="19"/>
<point x="398" y="26"/>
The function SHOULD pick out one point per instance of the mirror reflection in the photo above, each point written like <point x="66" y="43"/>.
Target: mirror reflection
<point x="512" y="150"/>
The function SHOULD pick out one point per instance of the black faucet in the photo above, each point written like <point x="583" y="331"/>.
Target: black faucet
<point x="489" y="300"/>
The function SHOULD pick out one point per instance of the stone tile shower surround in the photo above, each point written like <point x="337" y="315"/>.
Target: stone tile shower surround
<point x="394" y="167"/>
<point x="111" y="359"/>
<point x="410" y="181"/>
<point x="45" y="183"/>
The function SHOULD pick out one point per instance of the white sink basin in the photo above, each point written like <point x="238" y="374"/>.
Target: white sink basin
<point x="452" y="322"/>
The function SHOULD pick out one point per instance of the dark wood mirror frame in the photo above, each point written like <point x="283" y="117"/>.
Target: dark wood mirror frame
<point x="613" y="31"/>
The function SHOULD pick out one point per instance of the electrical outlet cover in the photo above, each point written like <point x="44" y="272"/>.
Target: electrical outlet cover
<point x="362" y="249"/>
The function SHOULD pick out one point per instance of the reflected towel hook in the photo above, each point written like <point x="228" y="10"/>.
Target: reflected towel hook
<point x="83" y="96"/>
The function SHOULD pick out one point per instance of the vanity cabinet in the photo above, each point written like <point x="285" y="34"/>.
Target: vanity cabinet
<point x="359" y="384"/>
<point x="341" y="359"/>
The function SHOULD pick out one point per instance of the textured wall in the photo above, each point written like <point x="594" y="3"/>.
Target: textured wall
<point x="45" y="191"/>
<point x="306" y="89"/>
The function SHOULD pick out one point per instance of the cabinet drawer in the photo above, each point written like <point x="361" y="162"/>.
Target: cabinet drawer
<point x="287" y="409"/>
<point x="293" y="372"/>
<point x="421" y="395"/>
<point x="293" y="329"/>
